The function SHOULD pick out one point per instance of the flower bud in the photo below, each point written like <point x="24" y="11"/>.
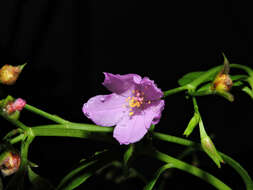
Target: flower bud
<point x="192" y="124"/>
<point x="9" y="162"/>
<point x="9" y="74"/>
<point x="17" y="105"/>
<point x="222" y="82"/>
<point x="211" y="151"/>
<point x="9" y="107"/>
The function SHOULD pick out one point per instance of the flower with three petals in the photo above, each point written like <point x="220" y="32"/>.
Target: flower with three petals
<point x="134" y="105"/>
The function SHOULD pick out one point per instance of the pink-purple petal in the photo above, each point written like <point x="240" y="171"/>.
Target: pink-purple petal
<point x="105" y="110"/>
<point x="151" y="91"/>
<point x="131" y="129"/>
<point x="121" y="84"/>
<point x="154" y="112"/>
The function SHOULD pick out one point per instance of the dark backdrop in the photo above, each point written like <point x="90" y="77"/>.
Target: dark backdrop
<point x="68" y="44"/>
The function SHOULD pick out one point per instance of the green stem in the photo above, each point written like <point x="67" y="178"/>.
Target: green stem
<point x="195" y="105"/>
<point x="49" y="116"/>
<point x="77" y="130"/>
<point x="174" y="90"/>
<point x="190" y="169"/>
<point x="17" y="139"/>
<point x="18" y="123"/>
<point x="173" y="139"/>
<point x="243" y="67"/>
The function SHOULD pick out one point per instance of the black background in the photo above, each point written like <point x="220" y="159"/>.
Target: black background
<point x="68" y="44"/>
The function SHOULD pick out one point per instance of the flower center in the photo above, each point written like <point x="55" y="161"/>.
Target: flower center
<point x="137" y="100"/>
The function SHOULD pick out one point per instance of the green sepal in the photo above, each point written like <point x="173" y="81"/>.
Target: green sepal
<point x="192" y="124"/>
<point x="208" y="146"/>
<point x="225" y="95"/>
<point x="3" y="103"/>
<point x="189" y="77"/>
<point x="210" y="150"/>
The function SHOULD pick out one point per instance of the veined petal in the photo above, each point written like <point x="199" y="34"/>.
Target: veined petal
<point x="131" y="129"/>
<point x="121" y="84"/>
<point x="154" y="111"/>
<point x="149" y="88"/>
<point x="105" y="110"/>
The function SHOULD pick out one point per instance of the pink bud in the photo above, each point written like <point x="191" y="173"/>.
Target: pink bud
<point x="19" y="104"/>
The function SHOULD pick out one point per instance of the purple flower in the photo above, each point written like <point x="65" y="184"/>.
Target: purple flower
<point x="135" y="104"/>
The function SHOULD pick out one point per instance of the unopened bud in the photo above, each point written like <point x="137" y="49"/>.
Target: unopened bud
<point x="9" y="162"/>
<point x="9" y="107"/>
<point x="211" y="151"/>
<point x="9" y="74"/>
<point x="222" y="82"/>
<point x="17" y="105"/>
<point x="192" y="124"/>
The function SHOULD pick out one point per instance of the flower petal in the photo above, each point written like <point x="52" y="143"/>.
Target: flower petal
<point x="131" y="129"/>
<point x="154" y="111"/>
<point x="151" y="91"/>
<point x="120" y="84"/>
<point x="105" y="110"/>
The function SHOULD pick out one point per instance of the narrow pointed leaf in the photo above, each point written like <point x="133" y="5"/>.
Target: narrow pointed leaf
<point x="238" y="77"/>
<point x="248" y="91"/>
<point x="152" y="182"/>
<point x="85" y="170"/>
<point x="189" y="77"/>
<point x="240" y="170"/>
<point x="128" y="154"/>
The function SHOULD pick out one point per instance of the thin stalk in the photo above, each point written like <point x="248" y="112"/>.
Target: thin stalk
<point x="174" y="90"/>
<point x="17" y="139"/>
<point x="42" y="113"/>
<point x="243" y="67"/>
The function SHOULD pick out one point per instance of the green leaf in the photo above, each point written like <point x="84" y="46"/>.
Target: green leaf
<point x="237" y="83"/>
<point x="189" y="77"/>
<point x="248" y="91"/>
<point x="240" y="170"/>
<point x="128" y="154"/>
<point x="192" y="124"/>
<point x="38" y="182"/>
<point x="238" y="77"/>
<point x="152" y="182"/>
<point x="85" y="170"/>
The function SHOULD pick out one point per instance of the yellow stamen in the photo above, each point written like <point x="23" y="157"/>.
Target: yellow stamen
<point x="131" y="113"/>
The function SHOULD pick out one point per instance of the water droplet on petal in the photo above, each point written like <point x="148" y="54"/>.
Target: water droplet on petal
<point x="102" y="99"/>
